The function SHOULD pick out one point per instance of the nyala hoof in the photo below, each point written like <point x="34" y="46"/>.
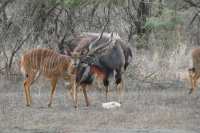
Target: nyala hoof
<point x="191" y="90"/>
<point x="88" y="104"/>
<point x="49" y="105"/>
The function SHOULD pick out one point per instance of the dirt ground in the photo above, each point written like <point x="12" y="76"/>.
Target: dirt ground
<point x="159" y="107"/>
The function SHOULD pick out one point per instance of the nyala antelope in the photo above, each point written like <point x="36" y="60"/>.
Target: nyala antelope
<point x="51" y="65"/>
<point x="194" y="72"/>
<point x="102" y="56"/>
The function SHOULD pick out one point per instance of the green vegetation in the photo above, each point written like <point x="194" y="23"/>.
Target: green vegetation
<point x="151" y="24"/>
<point x="67" y="3"/>
<point x="167" y="21"/>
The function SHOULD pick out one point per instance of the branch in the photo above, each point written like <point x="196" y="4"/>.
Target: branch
<point x="149" y="76"/>
<point x="60" y="44"/>
<point x="194" y="18"/>
<point x="134" y="5"/>
<point x="192" y="3"/>
<point x="5" y="4"/>
<point x="51" y="9"/>
<point x="103" y="30"/>
<point x="17" y="48"/>
<point x="56" y="22"/>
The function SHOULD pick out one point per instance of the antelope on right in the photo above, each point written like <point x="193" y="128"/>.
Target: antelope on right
<point x="194" y="72"/>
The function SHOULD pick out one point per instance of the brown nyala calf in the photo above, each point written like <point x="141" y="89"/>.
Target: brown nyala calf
<point x="51" y="65"/>
<point x="194" y="72"/>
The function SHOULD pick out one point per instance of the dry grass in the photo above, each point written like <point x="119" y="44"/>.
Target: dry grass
<point x="158" y="63"/>
<point x="147" y="107"/>
<point x="155" y="100"/>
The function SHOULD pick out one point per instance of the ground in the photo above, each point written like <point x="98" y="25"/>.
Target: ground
<point x="148" y="107"/>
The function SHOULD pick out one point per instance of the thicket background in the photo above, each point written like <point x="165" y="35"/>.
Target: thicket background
<point x="161" y="32"/>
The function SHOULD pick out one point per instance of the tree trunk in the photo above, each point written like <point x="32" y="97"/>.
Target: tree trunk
<point x="143" y="12"/>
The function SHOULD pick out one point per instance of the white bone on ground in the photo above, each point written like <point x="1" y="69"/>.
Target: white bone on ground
<point x="110" y="105"/>
<point x="66" y="83"/>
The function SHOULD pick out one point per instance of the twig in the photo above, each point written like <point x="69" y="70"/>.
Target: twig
<point x="192" y="3"/>
<point x="194" y="18"/>
<point x="16" y="49"/>
<point x="148" y="76"/>
<point x="5" y="4"/>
